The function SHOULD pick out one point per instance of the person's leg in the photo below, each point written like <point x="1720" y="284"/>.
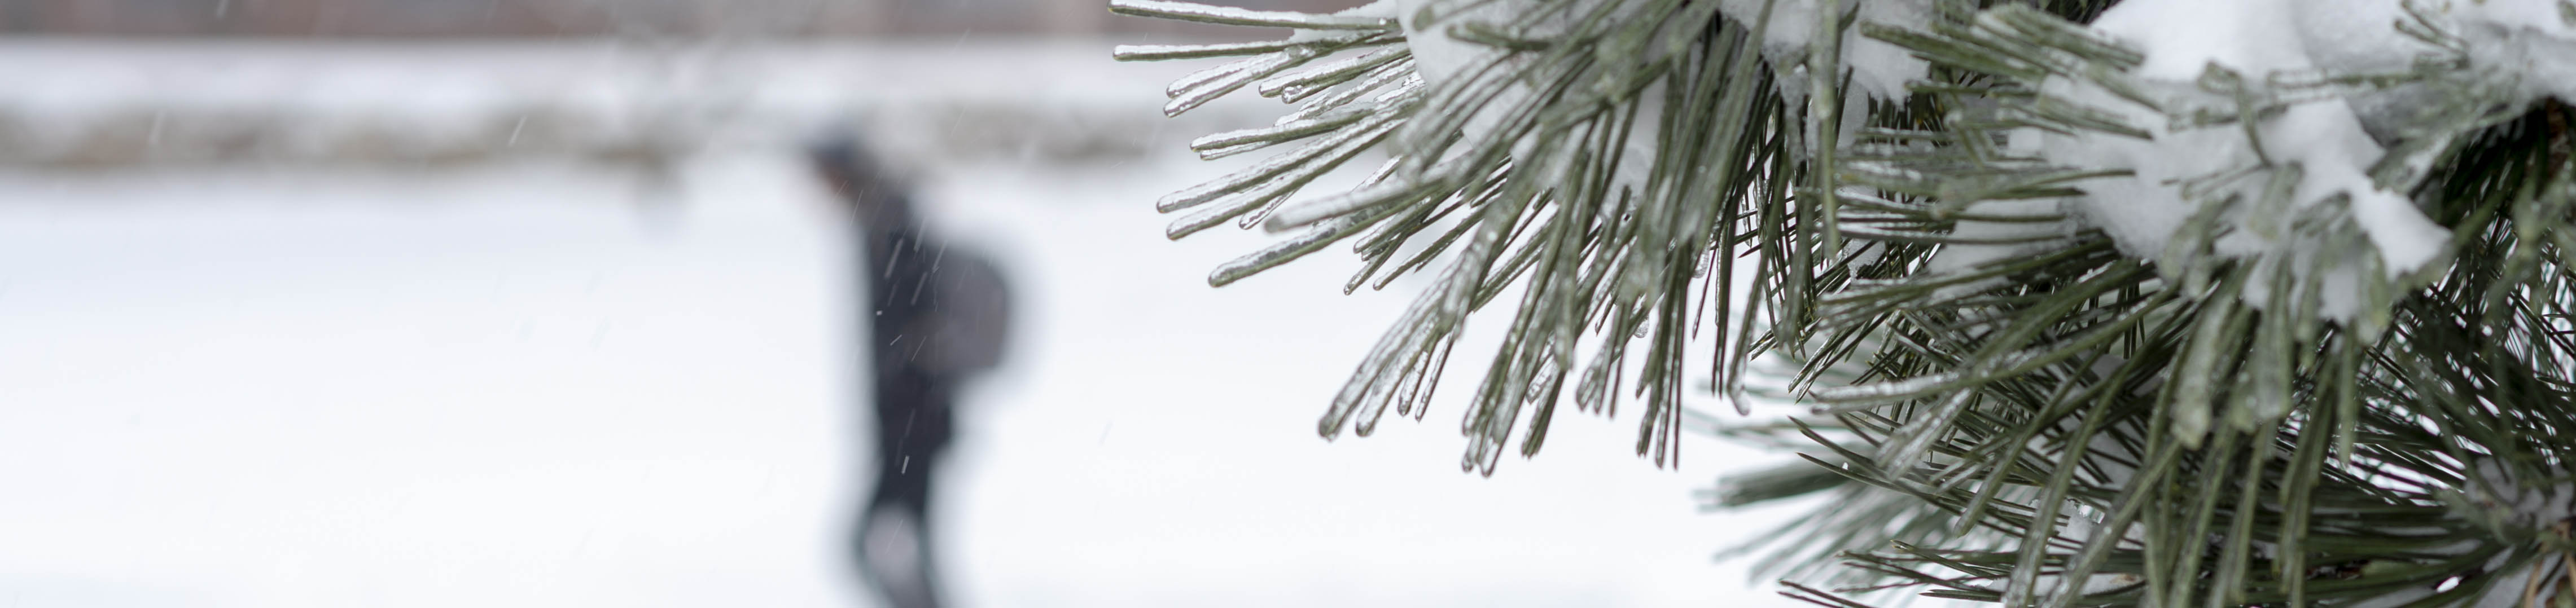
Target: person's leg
<point x="893" y="538"/>
<point x="893" y="546"/>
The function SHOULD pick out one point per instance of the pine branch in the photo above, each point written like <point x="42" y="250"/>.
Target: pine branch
<point x="2276" y="400"/>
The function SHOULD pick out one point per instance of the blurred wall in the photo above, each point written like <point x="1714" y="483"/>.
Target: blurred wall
<point x="119" y="84"/>
<point x="537" y="18"/>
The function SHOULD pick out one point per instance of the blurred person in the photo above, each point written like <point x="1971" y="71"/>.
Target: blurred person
<point x="938" y="316"/>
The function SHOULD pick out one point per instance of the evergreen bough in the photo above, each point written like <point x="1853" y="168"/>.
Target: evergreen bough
<point x="2069" y="425"/>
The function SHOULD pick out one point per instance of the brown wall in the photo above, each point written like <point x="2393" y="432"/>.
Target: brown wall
<point x="525" y="18"/>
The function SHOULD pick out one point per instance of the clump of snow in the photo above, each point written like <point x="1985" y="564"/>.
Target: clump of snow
<point x="1439" y="58"/>
<point x="1436" y="55"/>
<point x="2318" y="149"/>
<point x="2330" y="143"/>
<point x="2530" y="42"/>
<point x="2534" y="40"/>
<point x="1878" y="69"/>
<point x="2523" y="504"/>
<point x="2315" y="151"/>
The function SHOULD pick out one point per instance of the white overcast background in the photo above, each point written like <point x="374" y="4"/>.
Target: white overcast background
<point x="540" y="383"/>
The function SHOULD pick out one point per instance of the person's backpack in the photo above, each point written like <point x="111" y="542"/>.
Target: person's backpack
<point x="972" y="325"/>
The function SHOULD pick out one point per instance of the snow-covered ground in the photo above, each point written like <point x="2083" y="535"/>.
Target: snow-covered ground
<point x="558" y="384"/>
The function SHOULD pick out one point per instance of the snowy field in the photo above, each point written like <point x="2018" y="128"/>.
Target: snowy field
<point x="560" y="384"/>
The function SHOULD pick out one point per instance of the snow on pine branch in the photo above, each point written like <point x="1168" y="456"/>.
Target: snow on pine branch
<point x="2257" y="151"/>
<point x="2277" y="131"/>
